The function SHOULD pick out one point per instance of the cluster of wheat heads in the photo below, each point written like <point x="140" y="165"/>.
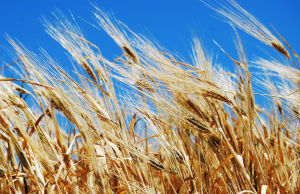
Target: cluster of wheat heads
<point x="179" y="128"/>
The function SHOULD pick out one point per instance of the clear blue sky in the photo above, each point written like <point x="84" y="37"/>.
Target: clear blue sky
<point x="169" y="21"/>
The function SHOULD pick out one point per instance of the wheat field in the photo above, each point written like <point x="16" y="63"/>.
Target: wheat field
<point x="176" y="127"/>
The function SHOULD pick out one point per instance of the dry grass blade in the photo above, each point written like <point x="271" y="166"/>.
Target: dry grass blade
<point x="221" y="165"/>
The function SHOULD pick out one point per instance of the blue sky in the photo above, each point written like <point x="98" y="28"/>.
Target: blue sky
<point x="171" y="22"/>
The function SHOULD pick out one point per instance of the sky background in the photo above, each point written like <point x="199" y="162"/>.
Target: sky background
<point x="171" y="22"/>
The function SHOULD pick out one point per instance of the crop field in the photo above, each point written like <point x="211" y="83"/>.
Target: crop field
<point x="179" y="127"/>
